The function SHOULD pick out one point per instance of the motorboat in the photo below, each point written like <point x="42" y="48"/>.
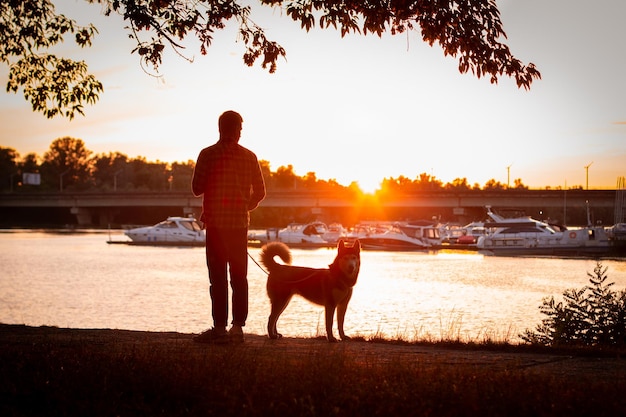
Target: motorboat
<point x="424" y="230"/>
<point x="365" y="229"/>
<point x="617" y="232"/>
<point x="470" y="234"/>
<point x="172" y="231"/>
<point x="335" y="233"/>
<point x="296" y="234"/>
<point x="395" y="237"/>
<point x="617" y="237"/>
<point x="526" y="236"/>
<point x="450" y="233"/>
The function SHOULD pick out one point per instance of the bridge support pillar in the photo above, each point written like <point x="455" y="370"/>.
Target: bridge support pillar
<point x="83" y="215"/>
<point x="106" y="216"/>
<point x="94" y="216"/>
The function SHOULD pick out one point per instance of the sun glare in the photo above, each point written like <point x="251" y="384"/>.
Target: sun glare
<point x="369" y="185"/>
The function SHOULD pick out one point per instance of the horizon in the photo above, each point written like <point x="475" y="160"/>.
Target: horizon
<point x="469" y="183"/>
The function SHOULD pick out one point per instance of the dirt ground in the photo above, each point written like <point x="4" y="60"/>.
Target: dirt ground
<point x="587" y="366"/>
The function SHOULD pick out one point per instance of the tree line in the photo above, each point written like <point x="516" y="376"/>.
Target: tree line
<point x="68" y="165"/>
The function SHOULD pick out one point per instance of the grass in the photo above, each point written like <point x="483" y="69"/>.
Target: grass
<point x="61" y="372"/>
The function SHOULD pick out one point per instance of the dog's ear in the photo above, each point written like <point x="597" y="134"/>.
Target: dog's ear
<point x="356" y="246"/>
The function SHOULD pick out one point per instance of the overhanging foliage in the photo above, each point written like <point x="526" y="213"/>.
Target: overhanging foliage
<point x="469" y="30"/>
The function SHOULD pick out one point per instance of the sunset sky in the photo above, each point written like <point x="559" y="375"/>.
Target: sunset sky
<point x="364" y="108"/>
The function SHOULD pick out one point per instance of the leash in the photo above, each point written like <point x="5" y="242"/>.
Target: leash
<point x="291" y="282"/>
<point x="257" y="264"/>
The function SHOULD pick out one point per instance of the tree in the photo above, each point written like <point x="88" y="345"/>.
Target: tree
<point x="180" y="174"/>
<point x="426" y="182"/>
<point x="393" y="185"/>
<point x="492" y="184"/>
<point x="67" y="163"/>
<point x="470" y="30"/>
<point x="310" y="180"/>
<point x="8" y="168"/>
<point x="594" y="315"/>
<point x="54" y="86"/>
<point x="267" y="173"/>
<point x="459" y="184"/>
<point x="148" y="176"/>
<point x="108" y="170"/>
<point x="519" y="185"/>
<point x="285" y="177"/>
<point x="30" y="163"/>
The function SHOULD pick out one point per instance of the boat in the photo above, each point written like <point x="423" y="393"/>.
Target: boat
<point x="395" y="237"/>
<point x="617" y="232"/>
<point x="335" y="233"/>
<point x="471" y="232"/>
<point x="173" y="231"/>
<point x="525" y="236"/>
<point x="424" y="230"/>
<point x="450" y="233"/>
<point x="617" y="237"/>
<point x="365" y="229"/>
<point x="296" y="235"/>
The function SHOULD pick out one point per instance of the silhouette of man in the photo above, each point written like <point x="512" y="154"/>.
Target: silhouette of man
<point x="229" y="178"/>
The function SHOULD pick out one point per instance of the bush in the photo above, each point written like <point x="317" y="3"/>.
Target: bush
<point x="592" y="316"/>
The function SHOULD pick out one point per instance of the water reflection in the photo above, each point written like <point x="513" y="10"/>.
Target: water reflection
<point x="77" y="280"/>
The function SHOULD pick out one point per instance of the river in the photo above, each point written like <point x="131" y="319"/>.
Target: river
<point x="76" y="279"/>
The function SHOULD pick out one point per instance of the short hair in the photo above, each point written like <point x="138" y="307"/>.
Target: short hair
<point x="229" y="121"/>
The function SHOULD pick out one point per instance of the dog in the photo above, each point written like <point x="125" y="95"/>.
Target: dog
<point x="330" y="287"/>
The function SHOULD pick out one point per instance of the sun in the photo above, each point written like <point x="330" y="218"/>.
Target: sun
<point x="369" y="185"/>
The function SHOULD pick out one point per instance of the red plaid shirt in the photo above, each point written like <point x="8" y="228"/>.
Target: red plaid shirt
<point x="229" y="178"/>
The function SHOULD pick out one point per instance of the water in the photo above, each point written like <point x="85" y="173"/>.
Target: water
<point x="78" y="280"/>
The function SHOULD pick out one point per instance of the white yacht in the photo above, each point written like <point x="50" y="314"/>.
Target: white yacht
<point x="531" y="237"/>
<point x="296" y="234"/>
<point x="398" y="237"/>
<point x="174" y="230"/>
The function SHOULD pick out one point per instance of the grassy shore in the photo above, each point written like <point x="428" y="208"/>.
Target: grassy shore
<point x="47" y="371"/>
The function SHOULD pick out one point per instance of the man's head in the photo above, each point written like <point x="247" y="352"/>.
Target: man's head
<point x="230" y="123"/>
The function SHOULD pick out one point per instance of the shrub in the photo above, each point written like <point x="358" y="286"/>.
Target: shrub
<point x="594" y="315"/>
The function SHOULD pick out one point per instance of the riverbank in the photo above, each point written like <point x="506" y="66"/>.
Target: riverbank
<point x="74" y="372"/>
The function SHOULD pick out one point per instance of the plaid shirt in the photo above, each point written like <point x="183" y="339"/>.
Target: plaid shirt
<point x="229" y="178"/>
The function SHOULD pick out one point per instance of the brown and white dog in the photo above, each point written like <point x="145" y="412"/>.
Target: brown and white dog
<point x="330" y="287"/>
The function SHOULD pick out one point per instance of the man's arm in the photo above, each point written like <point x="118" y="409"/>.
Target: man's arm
<point x="258" y="188"/>
<point x="198" y="180"/>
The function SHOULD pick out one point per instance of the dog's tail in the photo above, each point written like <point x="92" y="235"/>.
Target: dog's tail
<point x="272" y="249"/>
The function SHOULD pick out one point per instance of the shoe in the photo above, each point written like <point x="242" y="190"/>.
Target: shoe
<point x="236" y="334"/>
<point x="213" y="336"/>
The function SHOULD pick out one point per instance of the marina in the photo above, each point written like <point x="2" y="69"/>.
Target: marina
<point x="500" y="236"/>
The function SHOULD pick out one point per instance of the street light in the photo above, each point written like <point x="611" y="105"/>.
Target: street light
<point x="587" y="173"/>
<point x="508" y="176"/>
<point x="115" y="179"/>
<point x="61" y="179"/>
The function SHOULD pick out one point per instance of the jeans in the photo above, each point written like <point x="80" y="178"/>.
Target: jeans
<point x="227" y="249"/>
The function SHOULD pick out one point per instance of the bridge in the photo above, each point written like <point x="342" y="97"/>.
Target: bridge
<point x="101" y="208"/>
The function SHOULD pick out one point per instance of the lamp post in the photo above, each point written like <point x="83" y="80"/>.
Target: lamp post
<point x="61" y="179"/>
<point x="565" y="204"/>
<point x="115" y="179"/>
<point x="508" y="176"/>
<point x="587" y="173"/>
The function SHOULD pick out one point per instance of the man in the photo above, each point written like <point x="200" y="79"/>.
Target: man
<point x="229" y="178"/>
